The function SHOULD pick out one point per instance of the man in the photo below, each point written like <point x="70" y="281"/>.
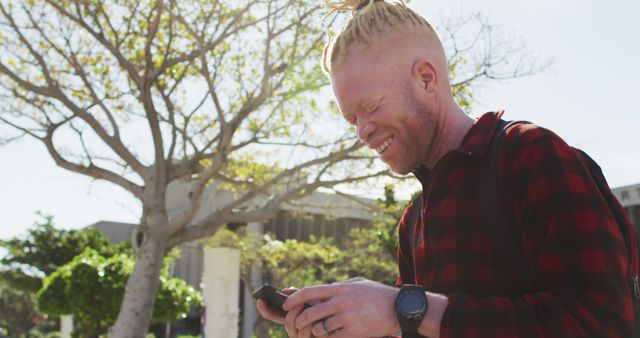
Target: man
<point x="389" y="75"/>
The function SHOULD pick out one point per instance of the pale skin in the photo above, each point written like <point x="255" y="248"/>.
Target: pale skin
<point x="397" y="95"/>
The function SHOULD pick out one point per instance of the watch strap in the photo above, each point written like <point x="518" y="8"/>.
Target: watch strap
<point x="410" y="326"/>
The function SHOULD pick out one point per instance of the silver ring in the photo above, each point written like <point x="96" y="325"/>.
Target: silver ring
<point x="325" y="326"/>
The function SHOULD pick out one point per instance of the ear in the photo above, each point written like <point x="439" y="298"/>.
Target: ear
<point x="425" y="72"/>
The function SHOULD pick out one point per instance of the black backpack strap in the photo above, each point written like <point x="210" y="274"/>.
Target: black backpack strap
<point x="504" y="235"/>
<point x="630" y="234"/>
<point x="414" y="215"/>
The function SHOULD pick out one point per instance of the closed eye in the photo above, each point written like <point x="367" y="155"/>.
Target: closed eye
<point x="374" y="106"/>
<point x="351" y="119"/>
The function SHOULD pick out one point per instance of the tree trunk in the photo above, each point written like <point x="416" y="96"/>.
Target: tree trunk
<point x="262" y="329"/>
<point x="140" y="293"/>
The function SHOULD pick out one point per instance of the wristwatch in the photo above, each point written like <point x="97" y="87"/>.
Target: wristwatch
<point x="411" y="306"/>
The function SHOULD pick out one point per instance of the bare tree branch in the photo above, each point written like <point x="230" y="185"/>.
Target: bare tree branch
<point x="90" y="170"/>
<point x="208" y="226"/>
<point x="100" y="37"/>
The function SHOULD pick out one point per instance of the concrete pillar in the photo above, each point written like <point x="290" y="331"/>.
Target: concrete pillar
<point x="249" y="311"/>
<point x="220" y="290"/>
<point x="66" y="326"/>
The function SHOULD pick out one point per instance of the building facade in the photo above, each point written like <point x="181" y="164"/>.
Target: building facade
<point x="629" y="197"/>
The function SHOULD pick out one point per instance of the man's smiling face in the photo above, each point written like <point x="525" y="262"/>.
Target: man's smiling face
<point x="376" y="94"/>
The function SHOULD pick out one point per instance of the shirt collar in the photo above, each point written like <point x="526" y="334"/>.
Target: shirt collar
<point x="478" y="139"/>
<point x="475" y="144"/>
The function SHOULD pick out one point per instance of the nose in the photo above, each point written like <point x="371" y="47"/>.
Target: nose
<point x="365" y="128"/>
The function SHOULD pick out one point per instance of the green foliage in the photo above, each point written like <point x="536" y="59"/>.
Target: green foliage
<point x="17" y="311"/>
<point x="297" y="263"/>
<point x="371" y="252"/>
<point x="389" y="197"/>
<point x="52" y="298"/>
<point x="91" y="287"/>
<point x="174" y="300"/>
<point x="37" y="333"/>
<point x="44" y="249"/>
<point x="461" y="90"/>
<point x="228" y="239"/>
<point x="368" y="252"/>
<point x="247" y="172"/>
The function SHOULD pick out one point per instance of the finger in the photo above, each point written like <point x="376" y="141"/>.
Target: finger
<point x="352" y="280"/>
<point x="290" y="290"/>
<point x="305" y="332"/>
<point x="289" y="321"/>
<point x="269" y="313"/>
<point x="317" y="313"/>
<point x="332" y="326"/>
<point x="325" y="327"/>
<point x="309" y="295"/>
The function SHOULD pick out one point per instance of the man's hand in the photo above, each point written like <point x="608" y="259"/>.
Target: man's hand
<point x="354" y="308"/>
<point x="270" y="313"/>
<point x="288" y="318"/>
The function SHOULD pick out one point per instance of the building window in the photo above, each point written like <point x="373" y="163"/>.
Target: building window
<point x="301" y="226"/>
<point x="624" y="195"/>
<point x="634" y="215"/>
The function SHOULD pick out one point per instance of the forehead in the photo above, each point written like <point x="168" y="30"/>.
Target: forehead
<point x="363" y="75"/>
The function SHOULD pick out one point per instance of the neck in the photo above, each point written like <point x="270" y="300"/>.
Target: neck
<point x="453" y="128"/>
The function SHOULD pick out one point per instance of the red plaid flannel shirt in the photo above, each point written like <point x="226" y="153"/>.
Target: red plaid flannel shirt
<point x="575" y="253"/>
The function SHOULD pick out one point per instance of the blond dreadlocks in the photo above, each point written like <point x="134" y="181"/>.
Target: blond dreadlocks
<point x="370" y="20"/>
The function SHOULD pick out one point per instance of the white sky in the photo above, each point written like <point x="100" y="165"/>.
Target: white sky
<point x="589" y="99"/>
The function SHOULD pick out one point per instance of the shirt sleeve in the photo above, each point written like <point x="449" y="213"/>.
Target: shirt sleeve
<point x="405" y="256"/>
<point x="572" y="244"/>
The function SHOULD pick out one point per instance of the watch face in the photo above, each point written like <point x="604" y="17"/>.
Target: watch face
<point x="412" y="303"/>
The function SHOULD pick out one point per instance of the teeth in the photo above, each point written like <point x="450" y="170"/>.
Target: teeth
<point x="384" y="146"/>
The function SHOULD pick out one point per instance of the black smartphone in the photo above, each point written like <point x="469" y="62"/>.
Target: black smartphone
<point x="274" y="297"/>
